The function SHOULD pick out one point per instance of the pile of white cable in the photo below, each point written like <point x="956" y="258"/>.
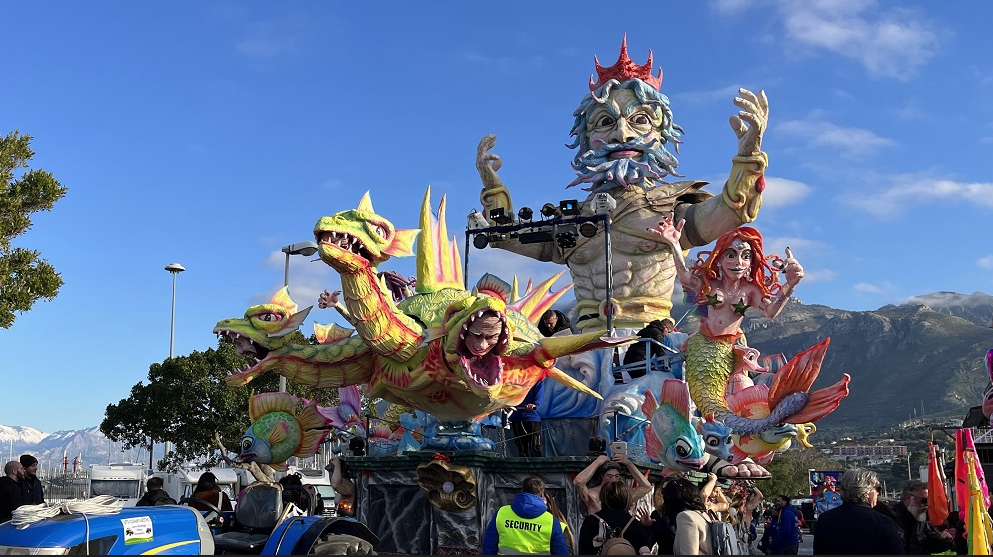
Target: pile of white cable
<point x="102" y="504"/>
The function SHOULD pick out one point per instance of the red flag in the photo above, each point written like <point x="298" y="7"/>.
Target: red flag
<point x="937" y="501"/>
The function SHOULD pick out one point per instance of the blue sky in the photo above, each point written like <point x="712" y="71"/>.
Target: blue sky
<point x="213" y="134"/>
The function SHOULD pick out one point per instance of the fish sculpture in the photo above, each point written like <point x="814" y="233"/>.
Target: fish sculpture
<point x="717" y="438"/>
<point x="282" y="426"/>
<point x="790" y="398"/>
<point x="753" y="402"/>
<point x="670" y="438"/>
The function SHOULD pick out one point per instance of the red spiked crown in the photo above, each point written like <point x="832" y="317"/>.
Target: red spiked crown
<point x="625" y="68"/>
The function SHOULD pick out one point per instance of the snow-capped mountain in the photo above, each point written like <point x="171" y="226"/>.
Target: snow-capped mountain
<point x="88" y="445"/>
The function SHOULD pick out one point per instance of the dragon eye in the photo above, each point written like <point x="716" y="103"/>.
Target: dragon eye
<point x="381" y="232"/>
<point x="269" y="316"/>
<point x="682" y="448"/>
<point x="713" y="441"/>
<point x="727" y="440"/>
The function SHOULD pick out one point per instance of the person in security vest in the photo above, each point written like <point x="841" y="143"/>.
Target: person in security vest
<point x="525" y="527"/>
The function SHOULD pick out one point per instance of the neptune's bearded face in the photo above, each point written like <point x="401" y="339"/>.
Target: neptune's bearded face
<point x="622" y="129"/>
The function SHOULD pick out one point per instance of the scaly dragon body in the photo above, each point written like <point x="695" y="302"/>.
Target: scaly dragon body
<point x="413" y="353"/>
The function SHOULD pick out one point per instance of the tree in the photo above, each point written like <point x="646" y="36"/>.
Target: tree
<point x="24" y="275"/>
<point x="187" y="403"/>
<point x="790" y="472"/>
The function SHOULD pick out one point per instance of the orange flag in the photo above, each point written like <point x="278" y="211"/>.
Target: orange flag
<point x="937" y="502"/>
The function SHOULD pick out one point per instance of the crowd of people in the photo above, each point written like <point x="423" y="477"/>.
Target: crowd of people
<point x="20" y="486"/>
<point x="682" y="514"/>
<point x="674" y="520"/>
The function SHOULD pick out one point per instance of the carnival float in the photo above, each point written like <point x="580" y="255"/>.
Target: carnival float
<point x="449" y="358"/>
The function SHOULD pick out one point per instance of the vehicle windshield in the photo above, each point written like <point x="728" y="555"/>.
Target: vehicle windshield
<point x="117" y="488"/>
<point x="325" y="491"/>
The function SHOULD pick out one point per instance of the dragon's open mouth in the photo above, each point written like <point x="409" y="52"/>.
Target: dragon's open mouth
<point x="485" y="371"/>
<point x="347" y="242"/>
<point x="244" y="346"/>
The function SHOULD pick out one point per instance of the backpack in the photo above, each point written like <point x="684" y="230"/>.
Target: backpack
<point x="611" y="541"/>
<point x="723" y="539"/>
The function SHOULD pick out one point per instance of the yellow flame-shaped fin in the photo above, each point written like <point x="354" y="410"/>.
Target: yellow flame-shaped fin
<point x="438" y="262"/>
<point x="282" y="299"/>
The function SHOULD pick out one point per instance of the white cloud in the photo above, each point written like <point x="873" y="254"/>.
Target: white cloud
<point x="722" y="94"/>
<point x="849" y="142"/>
<point x="887" y="43"/>
<point x="818" y="275"/>
<point x="907" y="190"/>
<point x="780" y="192"/>
<point x="985" y="262"/>
<point x="867" y="288"/>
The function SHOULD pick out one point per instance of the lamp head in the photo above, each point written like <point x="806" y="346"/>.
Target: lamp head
<point x="175" y="268"/>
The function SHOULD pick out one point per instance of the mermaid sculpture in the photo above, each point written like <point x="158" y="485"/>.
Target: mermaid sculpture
<point x="729" y="280"/>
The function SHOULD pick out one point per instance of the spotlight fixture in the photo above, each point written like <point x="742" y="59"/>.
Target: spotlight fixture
<point x="603" y="203"/>
<point x="357" y="446"/>
<point x="565" y="236"/>
<point x="499" y="215"/>
<point x="525" y="213"/>
<point x="477" y="220"/>
<point x="569" y="207"/>
<point x="535" y="237"/>
<point x="480" y="241"/>
<point x="588" y="229"/>
<point x="549" y="211"/>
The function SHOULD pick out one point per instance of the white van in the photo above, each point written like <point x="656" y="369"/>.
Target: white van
<point x="181" y="484"/>
<point x="124" y="480"/>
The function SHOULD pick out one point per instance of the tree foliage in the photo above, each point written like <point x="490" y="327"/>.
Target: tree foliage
<point x="790" y="472"/>
<point x="24" y="275"/>
<point x="186" y="402"/>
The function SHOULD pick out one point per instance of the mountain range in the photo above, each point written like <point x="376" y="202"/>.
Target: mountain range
<point x="88" y="445"/>
<point x="925" y="356"/>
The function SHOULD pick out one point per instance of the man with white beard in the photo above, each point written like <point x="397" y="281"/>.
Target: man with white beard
<point x="910" y="515"/>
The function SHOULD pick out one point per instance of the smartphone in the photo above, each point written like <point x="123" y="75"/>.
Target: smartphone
<point x="618" y="447"/>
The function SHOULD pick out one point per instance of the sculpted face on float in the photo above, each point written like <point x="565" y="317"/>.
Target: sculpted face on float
<point x="622" y="119"/>
<point x="736" y="260"/>
<point x="483" y="334"/>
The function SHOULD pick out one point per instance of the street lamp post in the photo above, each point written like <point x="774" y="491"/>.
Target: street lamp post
<point x="908" y="466"/>
<point x="305" y="249"/>
<point x="175" y="269"/>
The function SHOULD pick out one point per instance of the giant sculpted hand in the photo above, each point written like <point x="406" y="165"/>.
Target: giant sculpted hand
<point x="494" y="193"/>
<point x="750" y="123"/>
<point x="487" y="163"/>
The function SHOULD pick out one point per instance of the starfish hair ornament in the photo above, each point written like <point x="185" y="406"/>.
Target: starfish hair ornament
<point x="625" y="68"/>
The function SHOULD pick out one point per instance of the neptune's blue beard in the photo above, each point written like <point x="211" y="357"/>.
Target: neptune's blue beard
<point x="595" y="166"/>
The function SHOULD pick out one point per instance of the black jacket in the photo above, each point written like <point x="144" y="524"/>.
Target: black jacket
<point x="636" y="352"/>
<point x="636" y="533"/>
<point x="560" y="325"/>
<point x="919" y="538"/>
<point x="154" y="498"/>
<point x="10" y="497"/>
<point x="31" y="491"/>
<point x="856" y="529"/>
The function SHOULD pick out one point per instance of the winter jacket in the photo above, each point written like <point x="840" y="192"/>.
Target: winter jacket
<point x="787" y="530"/>
<point x="526" y="506"/>
<point x="534" y="396"/>
<point x="155" y="498"/>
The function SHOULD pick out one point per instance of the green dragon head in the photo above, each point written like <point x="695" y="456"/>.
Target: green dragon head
<point x="358" y="239"/>
<point x="264" y="327"/>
